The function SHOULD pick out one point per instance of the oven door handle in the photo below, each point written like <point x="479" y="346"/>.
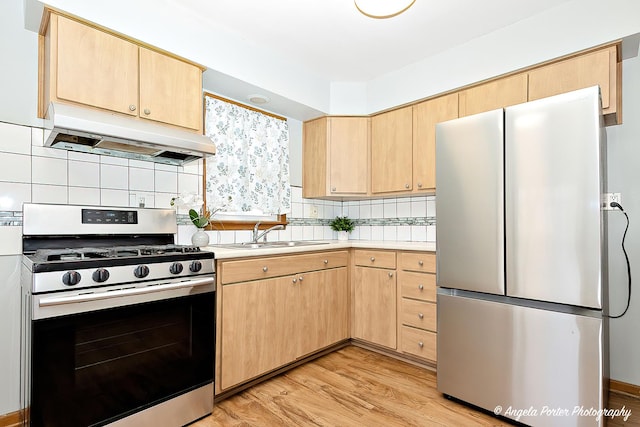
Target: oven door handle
<point x="50" y="301"/>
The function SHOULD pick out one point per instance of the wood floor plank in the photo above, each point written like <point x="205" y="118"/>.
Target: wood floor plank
<point x="357" y="387"/>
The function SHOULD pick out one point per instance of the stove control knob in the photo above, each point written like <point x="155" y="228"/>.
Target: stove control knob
<point x="71" y="278"/>
<point x="100" y="275"/>
<point x="141" y="271"/>
<point x="176" y="268"/>
<point x="195" y="266"/>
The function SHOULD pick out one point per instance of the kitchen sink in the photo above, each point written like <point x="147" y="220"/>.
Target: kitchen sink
<point x="265" y="245"/>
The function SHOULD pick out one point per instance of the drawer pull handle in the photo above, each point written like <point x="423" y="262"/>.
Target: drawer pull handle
<point x="147" y="111"/>
<point x="300" y="278"/>
<point x="326" y="261"/>
<point x="421" y="287"/>
<point x="419" y="185"/>
<point x="421" y="344"/>
<point x="406" y="186"/>
<point x="420" y="263"/>
<point x="390" y="274"/>
<point x="295" y="280"/>
<point x="132" y="107"/>
<point x="265" y="268"/>
<point x="373" y="259"/>
<point x="420" y="315"/>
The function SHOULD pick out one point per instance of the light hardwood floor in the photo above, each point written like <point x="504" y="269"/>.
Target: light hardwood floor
<point x="357" y="387"/>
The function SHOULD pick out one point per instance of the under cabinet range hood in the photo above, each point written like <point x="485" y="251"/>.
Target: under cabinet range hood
<point x="99" y="132"/>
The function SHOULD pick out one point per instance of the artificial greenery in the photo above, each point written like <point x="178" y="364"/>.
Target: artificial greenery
<point x="342" y="223"/>
<point x="198" y="220"/>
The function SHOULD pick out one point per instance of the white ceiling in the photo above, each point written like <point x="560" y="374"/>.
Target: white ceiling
<point x="333" y="40"/>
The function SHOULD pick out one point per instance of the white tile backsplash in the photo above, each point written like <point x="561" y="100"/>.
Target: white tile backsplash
<point x="114" y="197"/>
<point x="418" y="233"/>
<point x="84" y="196"/>
<point x="50" y="171"/>
<point x="37" y="137"/>
<point x="166" y="182"/>
<point x="390" y="210"/>
<point x="55" y="153"/>
<point x="188" y="183"/>
<point x="377" y="211"/>
<point x="13" y="195"/>
<point x="403" y="209"/>
<point x="10" y="241"/>
<point x="15" y="168"/>
<point x="49" y="194"/>
<point x="84" y="173"/>
<point x="114" y="177"/>
<point x="419" y="208"/>
<point x="15" y="139"/>
<point x="141" y="164"/>
<point x="141" y="179"/>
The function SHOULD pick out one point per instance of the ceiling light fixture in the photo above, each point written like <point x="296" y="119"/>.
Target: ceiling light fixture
<point x="258" y="99"/>
<point x="382" y="9"/>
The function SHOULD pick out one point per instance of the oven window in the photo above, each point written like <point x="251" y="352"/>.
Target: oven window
<point x="94" y="368"/>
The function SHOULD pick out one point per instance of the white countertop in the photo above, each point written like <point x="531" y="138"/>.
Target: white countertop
<point x="222" y="252"/>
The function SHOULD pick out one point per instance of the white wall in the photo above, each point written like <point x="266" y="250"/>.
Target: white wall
<point x="18" y="68"/>
<point x="624" y="177"/>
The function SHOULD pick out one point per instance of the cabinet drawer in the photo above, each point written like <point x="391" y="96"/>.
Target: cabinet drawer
<point x="419" y="343"/>
<point x="418" y="285"/>
<point x="418" y="261"/>
<point x="261" y="268"/>
<point x="380" y="259"/>
<point x="419" y="314"/>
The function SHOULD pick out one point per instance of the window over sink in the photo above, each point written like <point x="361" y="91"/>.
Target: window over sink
<point x="249" y="175"/>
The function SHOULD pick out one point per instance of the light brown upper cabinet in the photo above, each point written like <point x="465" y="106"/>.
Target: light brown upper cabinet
<point x="600" y="67"/>
<point x="82" y="64"/>
<point x="392" y="151"/>
<point x="336" y="157"/>
<point x="425" y="117"/>
<point x="495" y="94"/>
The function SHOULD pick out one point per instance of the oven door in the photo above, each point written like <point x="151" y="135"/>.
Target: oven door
<point x="96" y="367"/>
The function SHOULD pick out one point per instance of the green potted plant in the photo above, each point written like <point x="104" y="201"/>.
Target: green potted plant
<point x="343" y="225"/>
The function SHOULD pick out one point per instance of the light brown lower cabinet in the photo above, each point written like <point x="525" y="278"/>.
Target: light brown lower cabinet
<point x="374" y="305"/>
<point x="417" y="318"/>
<point x="268" y="323"/>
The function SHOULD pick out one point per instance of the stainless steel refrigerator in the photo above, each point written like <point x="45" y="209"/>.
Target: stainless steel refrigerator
<point x="521" y="260"/>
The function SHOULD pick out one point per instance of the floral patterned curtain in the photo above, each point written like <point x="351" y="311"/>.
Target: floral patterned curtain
<point x="251" y="164"/>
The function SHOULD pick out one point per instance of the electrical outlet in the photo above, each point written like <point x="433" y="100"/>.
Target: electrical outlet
<point x="609" y="198"/>
<point x="313" y="211"/>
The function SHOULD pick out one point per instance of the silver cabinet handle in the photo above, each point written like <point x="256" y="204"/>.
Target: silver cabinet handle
<point x="420" y="263"/>
<point x="420" y="344"/>
<point x="390" y="274"/>
<point x="147" y="111"/>
<point x="420" y="287"/>
<point x="301" y="278"/>
<point x="132" y="107"/>
<point x="406" y="186"/>
<point x="333" y="188"/>
<point x="326" y="261"/>
<point x="373" y="259"/>
<point x="265" y="268"/>
<point x="419" y="185"/>
<point x="295" y="280"/>
<point x="420" y="315"/>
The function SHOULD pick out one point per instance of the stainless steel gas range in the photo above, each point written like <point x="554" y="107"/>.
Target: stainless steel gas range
<point x="119" y="322"/>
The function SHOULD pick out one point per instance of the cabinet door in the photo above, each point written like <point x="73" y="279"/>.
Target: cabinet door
<point x="324" y="309"/>
<point x="348" y="155"/>
<point x="597" y="68"/>
<point x="314" y="158"/>
<point x="258" y="328"/>
<point x="392" y="151"/>
<point x="496" y="94"/>
<point x="374" y="293"/>
<point x="170" y="90"/>
<point x="425" y="117"/>
<point x="95" y="68"/>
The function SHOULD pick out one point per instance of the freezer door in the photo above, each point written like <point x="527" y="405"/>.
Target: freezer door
<point x="553" y="216"/>
<point x="470" y="232"/>
<point x="507" y="358"/>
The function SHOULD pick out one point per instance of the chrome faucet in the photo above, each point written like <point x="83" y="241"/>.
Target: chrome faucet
<point x="256" y="229"/>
